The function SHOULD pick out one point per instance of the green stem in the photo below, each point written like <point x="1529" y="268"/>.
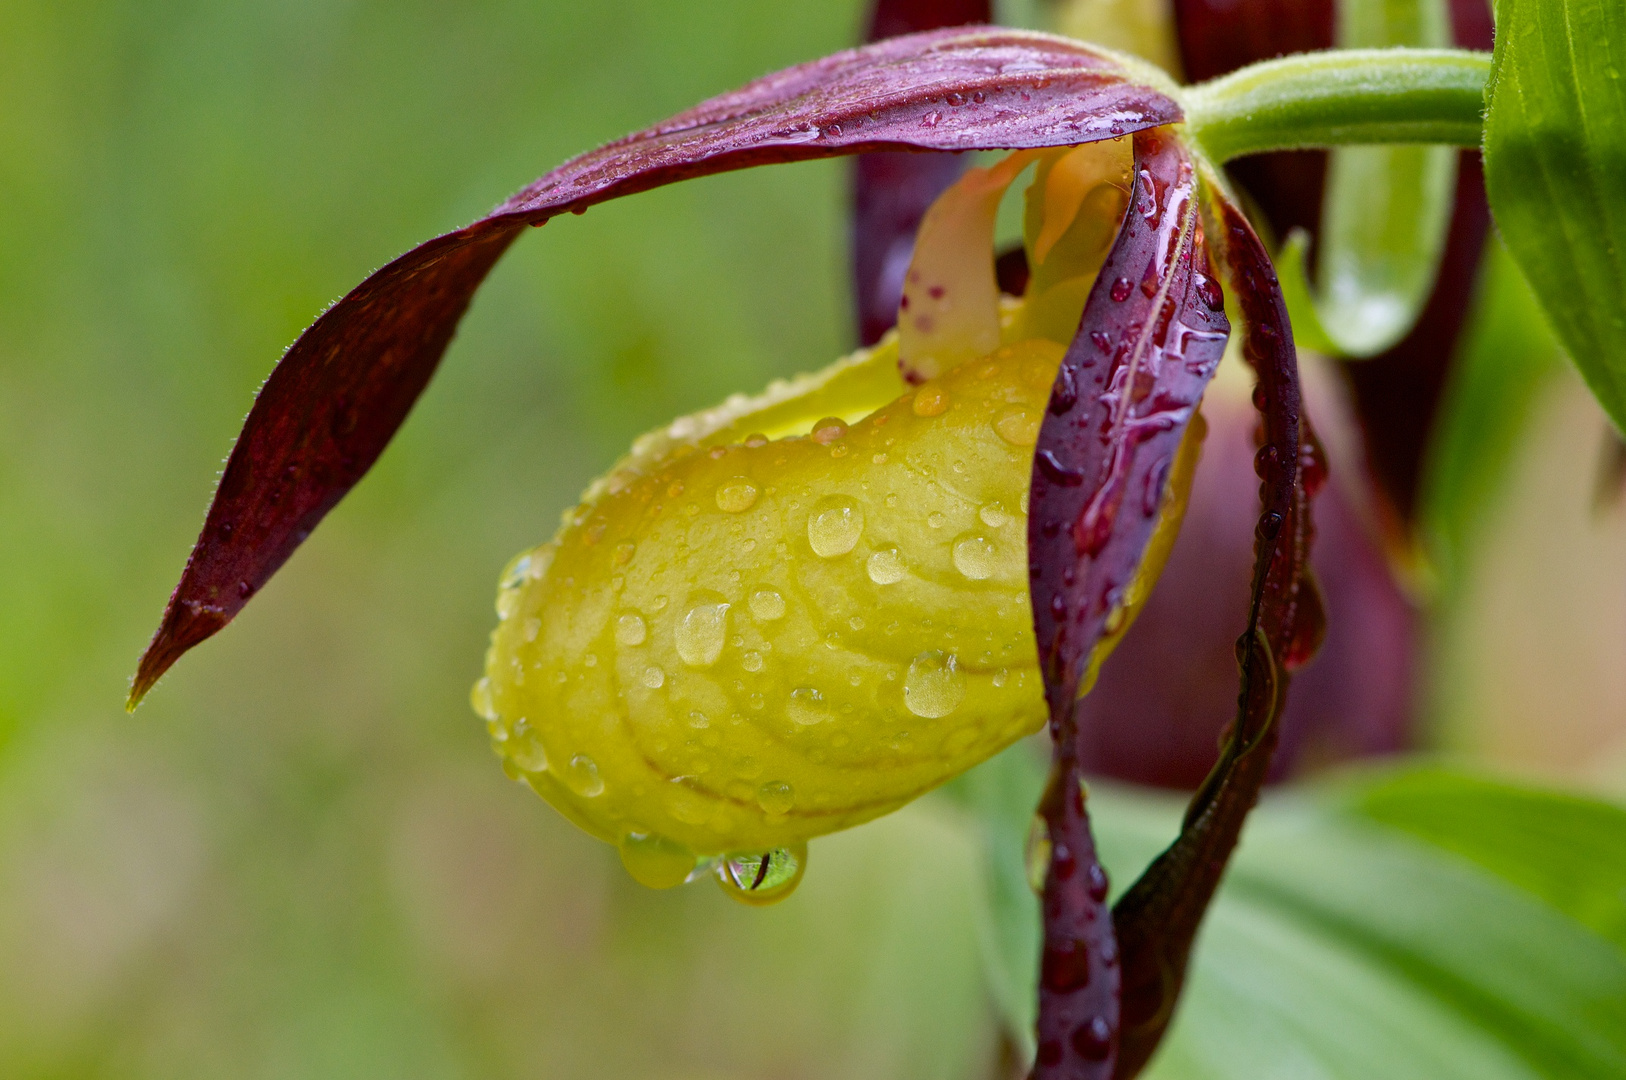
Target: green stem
<point x="1339" y="97"/>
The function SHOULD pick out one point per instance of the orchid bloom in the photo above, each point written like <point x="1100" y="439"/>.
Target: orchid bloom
<point x="798" y="611"/>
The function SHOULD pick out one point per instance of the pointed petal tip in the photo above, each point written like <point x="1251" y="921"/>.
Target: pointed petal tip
<point x="185" y="625"/>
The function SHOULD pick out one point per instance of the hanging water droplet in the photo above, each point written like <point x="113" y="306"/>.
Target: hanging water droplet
<point x="700" y="634"/>
<point x="581" y="776"/>
<point x="630" y="630"/>
<point x="480" y="700"/>
<point x="737" y="495"/>
<point x="807" y="707"/>
<point x="1018" y="426"/>
<point x="514" y="577"/>
<point x="776" y="797"/>
<point x="767" y="605"/>
<point x="934" y="686"/>
<point x="763" y="879"/>
<point x="655" y="861"/>
<point x="886" y="566"/>
<point x="994" y="515"/>
<point x="975" y="557"/>
<point x="525" y="748"/>
<point x="834" y="526"/>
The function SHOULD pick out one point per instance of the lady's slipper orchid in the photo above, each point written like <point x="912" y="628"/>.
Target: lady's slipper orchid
<point x="795" y="612"/>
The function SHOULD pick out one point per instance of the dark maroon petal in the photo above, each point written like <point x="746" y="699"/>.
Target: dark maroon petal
<point x="1157" y="919"/>
<point x="891" y="191"/>
<point x="1151" y="336"/>
<point x="344" y="387"/>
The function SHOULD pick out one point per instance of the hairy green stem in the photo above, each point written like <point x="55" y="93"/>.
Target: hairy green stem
<point x="1340" y="97"/>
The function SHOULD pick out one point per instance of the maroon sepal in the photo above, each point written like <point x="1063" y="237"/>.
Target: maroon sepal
<point x="340" y="392"/>
<point x="891" y="191"/>
<point x="1151" y="337"/>
<point x="1157" y="919"/>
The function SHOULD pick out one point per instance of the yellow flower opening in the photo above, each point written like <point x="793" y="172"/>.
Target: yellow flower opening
<point x="796" y="612"/>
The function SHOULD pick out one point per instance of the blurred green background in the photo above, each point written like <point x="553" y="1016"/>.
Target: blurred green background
<point x="300" y="858"/>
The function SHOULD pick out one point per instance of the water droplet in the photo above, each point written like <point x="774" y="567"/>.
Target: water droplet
<point x="763" y="879"/>
<point x="531" y="629"/>
<point x="776" y="797"/>
<point x="1092" y="1041"/>
<point x="700" y="634"/>
<point x="974" y="556"/>
<point x="751" y="661"/>
<point x="1065" y="967"/>
<point x="581" y="776"/>
<point x="480" y="700"/>
<point x="1001" y="677"/>
<point x="514" y="577"/>
<point x="525" y="748"/>
<point x="931" y="401"/>
<point x="590" y="660"/>
<point x="1121" y="289"/>
<point x="834" y="526"/>
<point x="737" y="496"/>
<point x="623" y="552"/>
<point x="994" y="515"/>
<point x="1036" y="854"/>
<point x="630" y="630"/>
<point x="886" y="567"/>
<point x="828" y="430"/>
<point x="935" y="686"/>
<point x="807" y="707"/>
<point x="654" y="677"/>
<point x="655" y="861"/>
<point x="934" y="519"/>
<point x="1018" y="426"/>
<point x="767" y="605"/>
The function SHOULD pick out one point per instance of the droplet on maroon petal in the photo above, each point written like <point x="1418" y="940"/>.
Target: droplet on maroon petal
<point x="1093" y="1039"/>
<point x="1098" y="883"/>
<point x="1121" y="289"/>
<point x="1065" y="968"/>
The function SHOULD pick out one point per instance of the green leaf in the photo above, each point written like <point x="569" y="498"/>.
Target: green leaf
<point x="1570" y="852"/>
<point x="1507" y="354"/>
<point x="1001" y="795"/>
<point x="1555" y="169"/>
<point x="1417" y="923"/>
<point x="1387" y="208"/>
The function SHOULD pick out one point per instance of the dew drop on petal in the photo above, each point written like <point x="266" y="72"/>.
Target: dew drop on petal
<point x="737" y="495"/>
<point x="931" y="401"/>
<point x="655" y="861"/>
<point x="994" y="515"/>
<point x="974" y="556"/>
<point x="886" y="566"/>
<point x="480" y="700"/>
<point x="654" y="677"/>
<point x="834" y="526"/>
<point x="630" y="630"/>
<point x="807" y="707"/>
<point x="1018" y="426"/>
<point x="765" y="878"/>
<point x="1036" y="854"/>
<point x="767" y="605"/>
<point x="525" y="748"/>
<point x="700" y="634"/>
<point x="581" y="776"/>
<point x="776" y="797"/>
<point x="934" y="686"/>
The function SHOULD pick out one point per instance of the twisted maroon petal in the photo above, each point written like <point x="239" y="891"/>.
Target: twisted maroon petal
<point x="340" y="392"/>
<point x="892" y="190"/>
<point x="1157" y="919"/>
<point x="1151" y="336"/>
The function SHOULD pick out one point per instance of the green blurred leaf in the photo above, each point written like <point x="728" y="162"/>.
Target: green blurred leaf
<point x="1569" y="851"/>
<point x="1507" y="353"/>
<point x="1387" y="208"/>
<point x="1001" y="795"/>
<point x="1555" y="169"/>
<point x="1341" y="946"/>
